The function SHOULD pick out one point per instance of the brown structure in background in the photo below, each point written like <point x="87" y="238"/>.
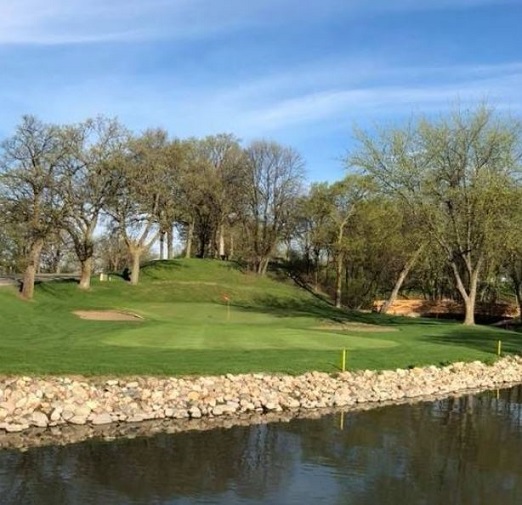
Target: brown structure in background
<point x="433" y="308"/>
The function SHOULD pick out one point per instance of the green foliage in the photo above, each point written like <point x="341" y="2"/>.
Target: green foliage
<point x="458" y="175"/>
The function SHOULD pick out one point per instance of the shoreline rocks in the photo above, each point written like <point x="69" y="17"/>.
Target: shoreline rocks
<point x="50" y="403"/>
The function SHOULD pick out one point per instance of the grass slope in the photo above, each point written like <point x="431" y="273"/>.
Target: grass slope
<point x="271" y="326"/>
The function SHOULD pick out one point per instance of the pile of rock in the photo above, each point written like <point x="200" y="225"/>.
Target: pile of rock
<point x="27" y="402"/>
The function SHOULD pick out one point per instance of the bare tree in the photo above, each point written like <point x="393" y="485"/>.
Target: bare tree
<point x="135" y="207"/>
<point x="226" y="170"/>
<point x="211" y="191"/>
<point x="31" y="172"/>
<point x="275" y="181"/>
<point x="90" y="183"/>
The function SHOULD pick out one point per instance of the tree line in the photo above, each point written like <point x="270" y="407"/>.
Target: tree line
<point x="432" y="207"/>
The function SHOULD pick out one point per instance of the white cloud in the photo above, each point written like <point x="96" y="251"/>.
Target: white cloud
<point x="79" y="21"/>
<point x="329" y="97"/>
<point x="340" y="96"/>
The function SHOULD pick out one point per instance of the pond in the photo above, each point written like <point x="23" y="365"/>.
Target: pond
<point x="457" y="451"/>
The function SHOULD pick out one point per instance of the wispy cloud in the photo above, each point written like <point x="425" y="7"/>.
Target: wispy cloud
<point x="79" y="21"/>
<point x="345" y="98"/>
<point x="299" y="98"/>
<point x="298" y="71"/>
<point x="82" y="21"/>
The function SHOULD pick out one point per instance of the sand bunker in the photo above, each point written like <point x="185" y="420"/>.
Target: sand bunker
<point x="347" y="326"/>
<point x="107" y="315"/>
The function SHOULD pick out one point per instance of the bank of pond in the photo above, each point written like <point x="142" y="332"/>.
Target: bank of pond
<point x="457" y="450"/>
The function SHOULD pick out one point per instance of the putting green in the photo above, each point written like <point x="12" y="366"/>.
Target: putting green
<point x="216" y="328"/>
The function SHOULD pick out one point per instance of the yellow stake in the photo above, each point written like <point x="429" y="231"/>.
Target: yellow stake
<point x="341" y="421"/>
<point x="343" y="360"/>
<point x="499" y="347"/>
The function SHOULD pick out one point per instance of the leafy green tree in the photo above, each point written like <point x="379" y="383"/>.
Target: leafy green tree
<point x="404" y="245"/>
<point x="344" y="196"/>
<point x="456" y="175"/>
<point x="509" y="261"/>
<point x="314" y="215"/>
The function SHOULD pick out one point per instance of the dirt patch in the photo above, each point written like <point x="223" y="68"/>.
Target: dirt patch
<point x="347" y="326"/>
<point x="107" y="315"/>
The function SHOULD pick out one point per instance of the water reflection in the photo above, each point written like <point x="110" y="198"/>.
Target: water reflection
<point x="456" y="451"/>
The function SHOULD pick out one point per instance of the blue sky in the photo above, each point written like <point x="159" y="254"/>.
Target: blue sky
<point x="300" y="72"/>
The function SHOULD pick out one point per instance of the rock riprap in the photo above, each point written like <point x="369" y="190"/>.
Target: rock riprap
<point x="28" y="402"/>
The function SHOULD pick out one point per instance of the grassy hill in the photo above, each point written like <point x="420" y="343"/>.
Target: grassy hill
<point x="187" y="328"/>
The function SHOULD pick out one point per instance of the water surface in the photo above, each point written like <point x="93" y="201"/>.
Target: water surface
<point x="458" y="451"/>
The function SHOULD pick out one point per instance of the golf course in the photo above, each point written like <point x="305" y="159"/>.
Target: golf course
<point x="206" y="317"/>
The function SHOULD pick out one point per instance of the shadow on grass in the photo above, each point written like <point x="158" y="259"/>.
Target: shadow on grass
<point x="313" y="307"/>
<point x="53" y="286"/>
<point x="234" y="266"/>
<point x="480" y="338"/>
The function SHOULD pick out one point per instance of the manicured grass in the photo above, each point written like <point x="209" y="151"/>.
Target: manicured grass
<point x="188" y="329"/>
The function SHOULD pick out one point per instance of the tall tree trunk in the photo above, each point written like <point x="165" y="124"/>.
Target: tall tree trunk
<point x="516" y="282"/>
<point x="471" y="301"/>
<point x="221" y="238"/>
<point x="86" y="272"/>
<point x="518" y="294"/>
<point x="57" y="258"/>
<point x="468" y="296"/>
<point x="32" y="266"/>
<point x="135" y="268"/>
<point x="316" y="269"/>
<point x="400" y="281"/>
<point x="339" y="279"/>
<point x="339" y="263"/>
<point x="327" y="268"/>
<point x="170" y="242"/>
<point x="162" y="245"/>
<point x="263" y="266"/>
<point x="202" y="249"/>
<point x="469" y="318"/>
<point x="190" y="237"/>
<point x="231" y="250"/>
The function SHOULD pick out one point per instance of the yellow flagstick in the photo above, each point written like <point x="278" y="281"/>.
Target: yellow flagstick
<point x="343" y="360"/>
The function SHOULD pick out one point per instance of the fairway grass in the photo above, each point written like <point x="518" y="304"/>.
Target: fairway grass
<point x="187" y="328"/>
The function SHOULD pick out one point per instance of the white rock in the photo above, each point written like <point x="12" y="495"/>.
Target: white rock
<point x="15" y="428"/>
<point x="195" y="412"/>
<point x="39" y="419"/>
<point x="137" y="418"/>
<point x="103" y="418"/>
<point x="78" y="420"/>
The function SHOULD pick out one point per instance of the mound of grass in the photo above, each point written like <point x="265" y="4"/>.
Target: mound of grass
<point x="190" y="328"/>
